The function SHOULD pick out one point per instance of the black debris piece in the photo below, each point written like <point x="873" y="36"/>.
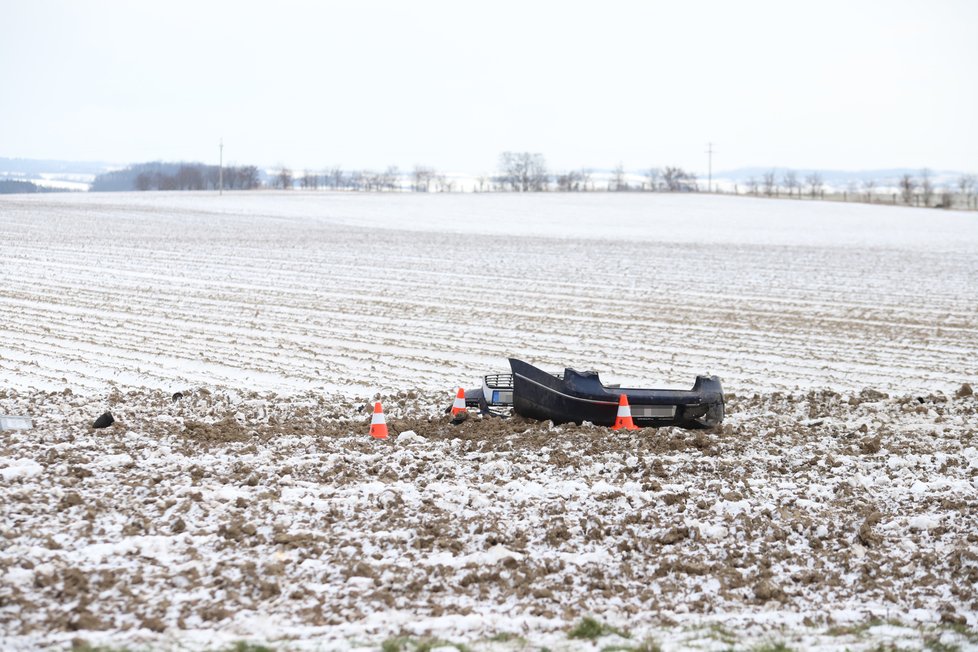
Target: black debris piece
<point x="104" y="421"/>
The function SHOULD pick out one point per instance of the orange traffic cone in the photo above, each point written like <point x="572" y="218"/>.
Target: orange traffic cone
<point x="378" y="424"/>
<point x="459" y="404"/>
<point x="624" y="419"/>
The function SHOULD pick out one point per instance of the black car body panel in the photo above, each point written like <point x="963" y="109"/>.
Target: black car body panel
<point x="580" y="396"/>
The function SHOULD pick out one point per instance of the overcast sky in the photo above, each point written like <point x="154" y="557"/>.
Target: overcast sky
<point x="829" y="85"/>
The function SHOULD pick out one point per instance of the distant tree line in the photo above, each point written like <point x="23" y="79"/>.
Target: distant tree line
<point x="528" y="172"/>
<point x="912" y="190"/>
<point x="517" y="172"/>
<point x="336" y="178"/>
<point x="921" y="190"/>
<point x="177" y="176"/>
<point x="789" y="185"/>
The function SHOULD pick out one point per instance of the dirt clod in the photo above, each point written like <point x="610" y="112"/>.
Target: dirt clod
<point x="871" y="445"/>
<point x="674" y="535"/>
<point x="71" y="499"/>
<point x="950" y="617"/>
<point x="766" y="590"/>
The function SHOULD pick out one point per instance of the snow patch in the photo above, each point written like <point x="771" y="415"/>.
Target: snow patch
<point x="19" y="468"/>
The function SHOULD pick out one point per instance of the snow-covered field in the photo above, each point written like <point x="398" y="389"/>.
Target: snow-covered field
<point x="837" y="506"/>
<point x="294" y="291"/>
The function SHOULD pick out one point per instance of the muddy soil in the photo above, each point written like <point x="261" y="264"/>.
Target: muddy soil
<point x="225" y="511"/>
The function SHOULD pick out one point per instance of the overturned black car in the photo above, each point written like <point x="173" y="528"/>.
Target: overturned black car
<point x="574" y="396"/>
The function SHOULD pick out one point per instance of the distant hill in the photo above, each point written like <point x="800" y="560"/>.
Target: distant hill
<point x="49" y="173"/>
<point x="38" y="167"/>
<point x="17" y="187"/>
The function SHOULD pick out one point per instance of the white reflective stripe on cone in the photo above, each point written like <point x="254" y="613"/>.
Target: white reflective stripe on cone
<point x="378" y="417"/>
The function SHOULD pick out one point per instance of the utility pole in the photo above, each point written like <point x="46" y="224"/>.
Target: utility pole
<point x="709" y="174"/>
<point x="220" y="169"/>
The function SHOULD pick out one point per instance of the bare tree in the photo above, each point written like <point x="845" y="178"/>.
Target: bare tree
<point x="309" y="180"/>
<point x="790" y="181"/>
<point x="869" y="185"/>
<point x="355" y="180"/>
<point x="770" y="184"/>
<point x="334" y="177"/>
<point x="652" y="178"/>
<point x="390" y="178"/>
<point x="246" y="177"/>
<point x="422" y="176"/>
<point x="670" y="178"/>
<point x="483" y="182"/>
<point x="569" y="181"/>
<point x="907" y="188"/>
<point x="167" y="182"/>
<point x="523" y="171"/>
<point x="966" y="186"/>
<point x="814" y="181"/>
<point x="373" y="180"/>
<point x="443" y="183"/>
<point x="213" y="176"/>
<point x="926" y="186"/>
<point x="966" y="183"/>
<point x="618" y="181"/>
<point x="675" y="179"/>
<point x="190" y="177"/>
<point x="577" y="180"/>
<point x="284" y="178"/>
<point x="751" y="186"/>
<point x="587" y="183"/>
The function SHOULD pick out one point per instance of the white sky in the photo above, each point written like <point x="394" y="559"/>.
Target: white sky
<point x="831" y="85"/>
